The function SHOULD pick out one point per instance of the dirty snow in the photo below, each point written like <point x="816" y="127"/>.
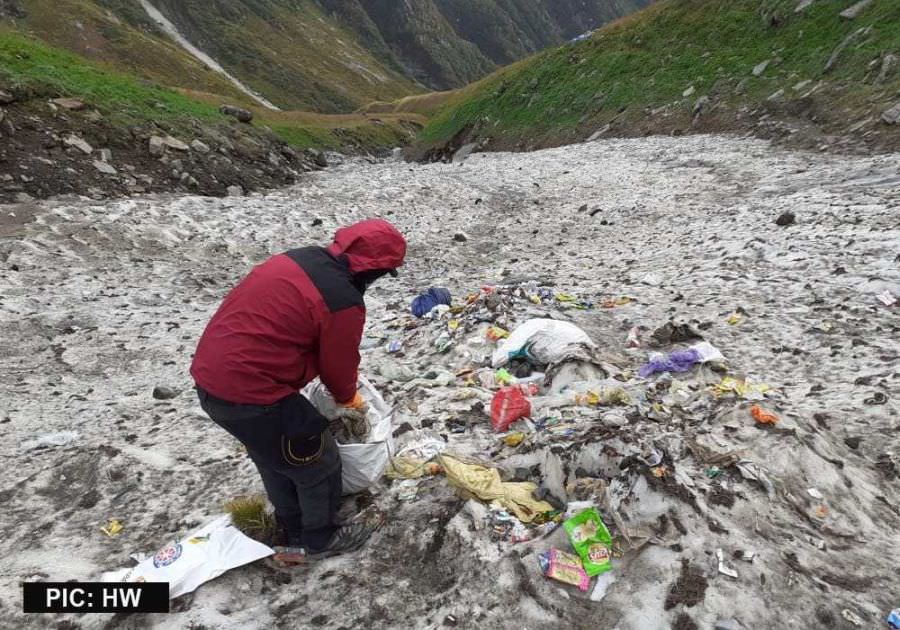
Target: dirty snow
<point x="103" y="301"/>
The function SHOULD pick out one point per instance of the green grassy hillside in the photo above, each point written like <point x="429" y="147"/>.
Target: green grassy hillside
<point x="646" y="73"/>
<point x="36" y="71"/>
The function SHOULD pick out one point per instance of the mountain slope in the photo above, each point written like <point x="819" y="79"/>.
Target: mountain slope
<point x="326" y="55"/>
<point x="763" y="66"/>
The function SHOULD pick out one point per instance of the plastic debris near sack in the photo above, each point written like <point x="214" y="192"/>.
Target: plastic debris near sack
<point x="363" y="464"/>
<point x="681" y="360"/>
<point x="424" y="303"/>
<point x="541" y="341"/>
<point x="206" y="554"/>
<point x="484" y="482"/>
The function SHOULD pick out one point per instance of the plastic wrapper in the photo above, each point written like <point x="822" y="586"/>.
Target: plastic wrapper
<point x="564" y="567"/>
<point x="591" y="539"/>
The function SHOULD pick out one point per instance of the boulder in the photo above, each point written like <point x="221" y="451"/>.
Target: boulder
<point x="104" y="167"/>
<point x="105" y="155"/>
<point x="599" y="133"/>
<point x="892" y="116"/>
<point x="463" y="153"/>
<point x="162" y="392"/>
<point x="157" y="146"/>
<point x="6" y="98"/>
<point x="175" y="144"/>
<point x="199" y="146"/>
<point x="701" y="105"/>
<point x="235" y="191"/>
<point x="688" y="92"/>
<point x="786" y="219"/>
<point x="242" y="115"/>
<point x="804" y="4"/>
<point x="74" y="141"/>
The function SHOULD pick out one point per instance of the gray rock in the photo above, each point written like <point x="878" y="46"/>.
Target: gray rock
<point x="777" y="96"/>
<point x="857" y="34"/>
<point x="701" y="105"/>
<point x="786" y="219"/>
<point x="175" y="144"/>
<point x="68" y="103"/>
<point x="6" y="98"/>
<point x="242" y="115"/>
<point x="803" y="84"/>
<point x="804" y="4"/>
<point x="105" y="155"/>
<point x="104" y="167"/>
<point x="464" y="152"/>
<point x="689" y="92"/>
<point x="235" y="191"/>
<point x="161" y="392"/>
<point x="892" y="116"/>
<point x="74" y="141"/>
<point x="157" y="146"/>
<point x="728" y="624"/>
<point x="759" y="68"/>
<point x="460" y="237"/>
<point x="854" y="11"/>
<point x="599" y="133"/>
<point x="199" y="146"/>
<point x="887" y="64"/>
<point x="317" y="157"/>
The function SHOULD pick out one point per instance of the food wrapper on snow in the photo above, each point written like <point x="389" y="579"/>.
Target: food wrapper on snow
<point x="543" y="342"/>
<point x="204" y="555"/>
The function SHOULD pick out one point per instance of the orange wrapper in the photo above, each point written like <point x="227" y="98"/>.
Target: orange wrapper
<point x="762" y="416"/>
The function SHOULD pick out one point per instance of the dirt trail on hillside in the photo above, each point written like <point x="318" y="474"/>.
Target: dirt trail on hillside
<point x="102" y="302"/>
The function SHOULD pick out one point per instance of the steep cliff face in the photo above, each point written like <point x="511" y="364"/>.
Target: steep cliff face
<point x="327" y="55"/>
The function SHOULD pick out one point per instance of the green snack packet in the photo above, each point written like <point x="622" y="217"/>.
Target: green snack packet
<point x="591" y="540"/>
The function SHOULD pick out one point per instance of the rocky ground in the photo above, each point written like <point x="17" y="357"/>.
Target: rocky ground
<point x="102" y="302"/>
<point x="52" y="147"/>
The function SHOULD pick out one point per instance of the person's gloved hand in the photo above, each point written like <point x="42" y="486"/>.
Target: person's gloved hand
<point x="353" y="415"/>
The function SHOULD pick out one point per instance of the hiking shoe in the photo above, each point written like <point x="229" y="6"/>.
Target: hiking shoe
<point x="350" y="537"/>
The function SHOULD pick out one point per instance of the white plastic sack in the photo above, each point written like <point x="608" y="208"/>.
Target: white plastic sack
<point x="544" y="341"/>
<point x="363" y="464"/>
<point x="204" y="555"/>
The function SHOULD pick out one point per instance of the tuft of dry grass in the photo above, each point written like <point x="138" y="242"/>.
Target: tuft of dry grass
<point x="251" y="515"/>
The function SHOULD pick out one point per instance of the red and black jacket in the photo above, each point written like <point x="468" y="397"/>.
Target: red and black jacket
<point x="297" y="316"/>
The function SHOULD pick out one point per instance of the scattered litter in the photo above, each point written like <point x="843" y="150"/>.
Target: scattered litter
<point x="735" y="318"/>
<point x="762" y="416"/>
<point x="724" y="569"/>
<point x="852" y="617"/>
<point x="113" y="527"/>
<point x="564" y="567"/>
<point x="815" y="494"/>
<point x="602" y="585"/>
<point x="634" y="338"/>
<point x="887" y="298"/>
<point x="591" y="540"/>
<point x="742" y="388"/>
<point x="185" y="566"/>
<point x="894" y="619"/>
<point x="60" y="438"/>
<point x="409" y="490"/>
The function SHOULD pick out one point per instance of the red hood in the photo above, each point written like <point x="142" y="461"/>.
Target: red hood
<point x="370" y="245"/>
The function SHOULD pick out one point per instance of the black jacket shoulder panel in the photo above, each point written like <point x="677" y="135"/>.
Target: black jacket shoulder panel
<point x="330" y="276"/>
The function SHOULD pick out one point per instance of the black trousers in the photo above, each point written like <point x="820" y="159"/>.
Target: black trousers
<point x="297" y="458"/>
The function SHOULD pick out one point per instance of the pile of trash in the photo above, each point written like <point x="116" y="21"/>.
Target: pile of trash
<point x="501" y="393"/>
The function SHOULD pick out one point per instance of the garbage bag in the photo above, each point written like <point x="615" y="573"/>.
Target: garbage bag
<point x="541" y="341"/>
<point x="424" y="303"/>
<point x="206" y="554"/>
<point x="509" y="404"/>
<point x="363" y="464"/>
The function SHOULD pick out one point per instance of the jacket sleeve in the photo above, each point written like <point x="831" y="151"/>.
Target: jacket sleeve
<point x="339" y="352"/>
